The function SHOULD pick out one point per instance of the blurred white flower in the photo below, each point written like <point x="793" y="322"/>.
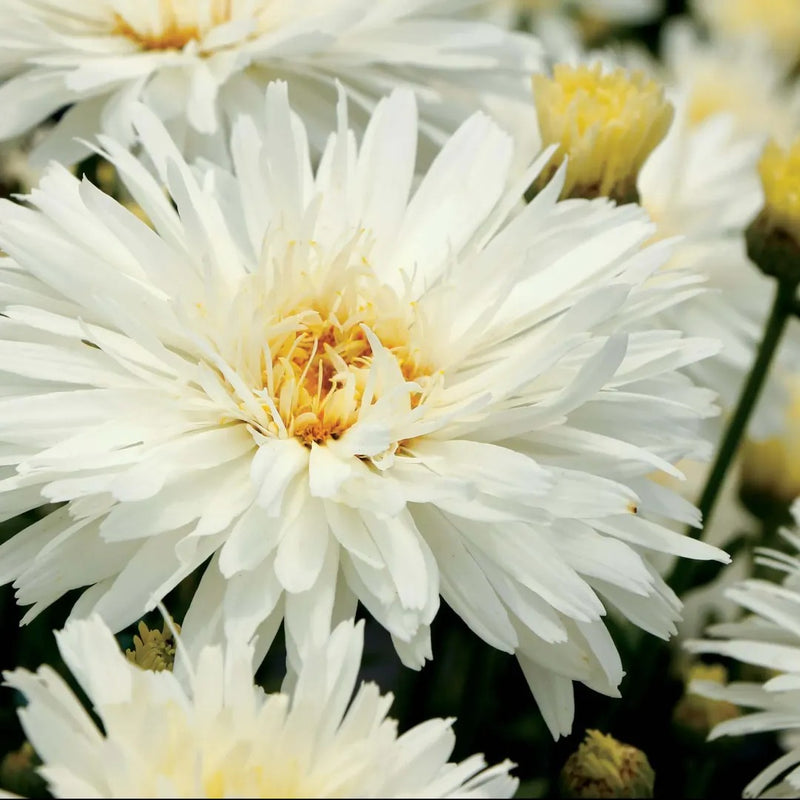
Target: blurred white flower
<point x="210" y="732"/>
<point x="775" y="22"/>
<point x="770" y="638"/>
<point x="342" y="393"/>
<point x="743" y="78"/>
<point x="199" y="63"/>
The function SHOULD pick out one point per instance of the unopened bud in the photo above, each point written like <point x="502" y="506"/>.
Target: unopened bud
<point x="606" y="123"/>
<point x="773" y="238"/>
<point x="604" y="767"/>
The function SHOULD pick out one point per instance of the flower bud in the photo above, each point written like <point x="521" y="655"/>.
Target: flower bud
<point x="604" y="767"/>
<point x="773" y="238"/>
<point x="605" y="123"/>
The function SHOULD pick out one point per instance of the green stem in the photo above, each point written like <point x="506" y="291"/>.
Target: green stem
<point x="690" y="573"/>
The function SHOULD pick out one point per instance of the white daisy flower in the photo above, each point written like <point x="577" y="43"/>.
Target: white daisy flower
<point x="208" y="731"/>
<point x="199" y="63"/>
<point x="768" y="637"/>
<point x="344" y="394"/>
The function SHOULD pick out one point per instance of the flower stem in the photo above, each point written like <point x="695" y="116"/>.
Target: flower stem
<point x="691" y="573"/>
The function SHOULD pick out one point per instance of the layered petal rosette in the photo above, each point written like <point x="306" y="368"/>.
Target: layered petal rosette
<point x="340" y="388"/>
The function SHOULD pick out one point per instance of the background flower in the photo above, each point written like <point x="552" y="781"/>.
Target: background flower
<point x="198" y="64"/>
<point x="768" y="638"/>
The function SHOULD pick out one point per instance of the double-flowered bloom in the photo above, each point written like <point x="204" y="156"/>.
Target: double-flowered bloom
<point x="340" y="384"/>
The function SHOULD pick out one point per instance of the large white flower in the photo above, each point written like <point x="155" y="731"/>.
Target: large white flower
<point x="345" y="394"/>
<point x="198" y="63"/>
<point x="208" y="731"/>
<point x="768" y="637"/>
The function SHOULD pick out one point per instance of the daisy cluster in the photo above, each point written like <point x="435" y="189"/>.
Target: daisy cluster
<point x="345" y="310"/>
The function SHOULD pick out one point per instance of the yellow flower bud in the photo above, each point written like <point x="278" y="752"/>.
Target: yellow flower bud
<point x="604" y="767"/>
<point x="773" y="238"/>
<point x="605" y="123"/>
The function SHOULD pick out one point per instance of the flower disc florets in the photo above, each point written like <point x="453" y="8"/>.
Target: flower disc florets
<point x="318" y="357"/>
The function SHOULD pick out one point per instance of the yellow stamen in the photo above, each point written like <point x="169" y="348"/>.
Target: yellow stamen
<point x="607" y="124"/>
<point x="316" y="371"/>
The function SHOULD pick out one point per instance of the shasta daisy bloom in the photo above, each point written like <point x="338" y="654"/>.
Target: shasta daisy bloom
<point x="198" y="63"/>
<point x="208" y="731"/>
<point x="344" y="394"/>
<point x="768" y="637"/>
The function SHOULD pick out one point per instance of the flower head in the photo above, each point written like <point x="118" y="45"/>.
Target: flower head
<point x="209" y="732"/>
<point x="606" y="123"/>
<point x="339" y="393"/>
<point x="199" y="63"/>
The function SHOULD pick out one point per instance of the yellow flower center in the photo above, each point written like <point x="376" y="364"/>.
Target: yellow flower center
<point x="176" y="23"/>
<point x="607" y="124"/>
<point x="778" y="20"/>
<point x="317" y="361"/>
